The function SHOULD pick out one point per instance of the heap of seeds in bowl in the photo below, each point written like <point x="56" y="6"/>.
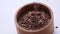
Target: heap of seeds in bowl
<point x="34" y="20"/>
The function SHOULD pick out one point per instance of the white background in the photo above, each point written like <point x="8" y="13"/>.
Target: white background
<point x="8" y="9"/>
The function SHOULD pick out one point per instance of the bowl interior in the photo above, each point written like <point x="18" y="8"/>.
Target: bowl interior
<point x="30" y="7"/>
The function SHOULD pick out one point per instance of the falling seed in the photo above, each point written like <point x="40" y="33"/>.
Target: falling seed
<point x="56" y="27"/>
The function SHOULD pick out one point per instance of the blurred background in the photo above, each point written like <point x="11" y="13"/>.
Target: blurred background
<point x="8" y="8"/>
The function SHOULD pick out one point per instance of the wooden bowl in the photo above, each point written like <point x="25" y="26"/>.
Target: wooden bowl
<point x="48" y="29"/>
